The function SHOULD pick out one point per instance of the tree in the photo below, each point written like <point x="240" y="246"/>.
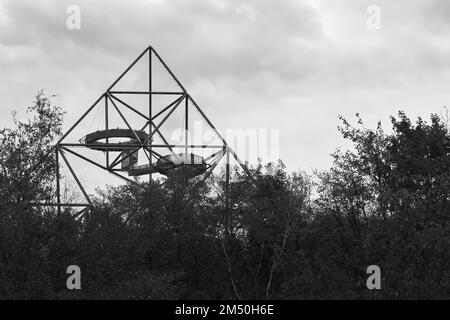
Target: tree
<point x="26" y="176"/>
<point x="390" y="195"/>
<point x="272" y="235"/>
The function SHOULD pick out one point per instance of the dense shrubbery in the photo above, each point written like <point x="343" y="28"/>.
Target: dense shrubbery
<point x="291" y="236"/>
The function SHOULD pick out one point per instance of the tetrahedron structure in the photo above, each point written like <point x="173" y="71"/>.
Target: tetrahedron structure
<point x="138" y="131"/>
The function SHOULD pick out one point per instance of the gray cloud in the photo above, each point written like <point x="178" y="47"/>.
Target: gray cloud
<point x="292" y="65"/>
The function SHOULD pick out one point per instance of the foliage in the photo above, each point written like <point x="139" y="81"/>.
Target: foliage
<point x="276" y="235"/>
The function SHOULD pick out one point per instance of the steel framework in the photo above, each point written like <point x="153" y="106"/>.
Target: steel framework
<point x="110" y="100"/>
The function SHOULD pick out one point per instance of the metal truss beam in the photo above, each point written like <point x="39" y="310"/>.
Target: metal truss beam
<point x="111" y="98"/>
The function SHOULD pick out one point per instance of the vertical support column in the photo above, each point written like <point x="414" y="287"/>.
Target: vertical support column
<point x="150" y="106"/>
<point x="58" y="187"/>
<point x="227" y="190"/>
<point x="186" y="124"/>
<point x="107" y="128"/>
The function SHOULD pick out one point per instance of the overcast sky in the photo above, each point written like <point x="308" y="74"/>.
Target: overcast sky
<point x="291" y="65"/>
